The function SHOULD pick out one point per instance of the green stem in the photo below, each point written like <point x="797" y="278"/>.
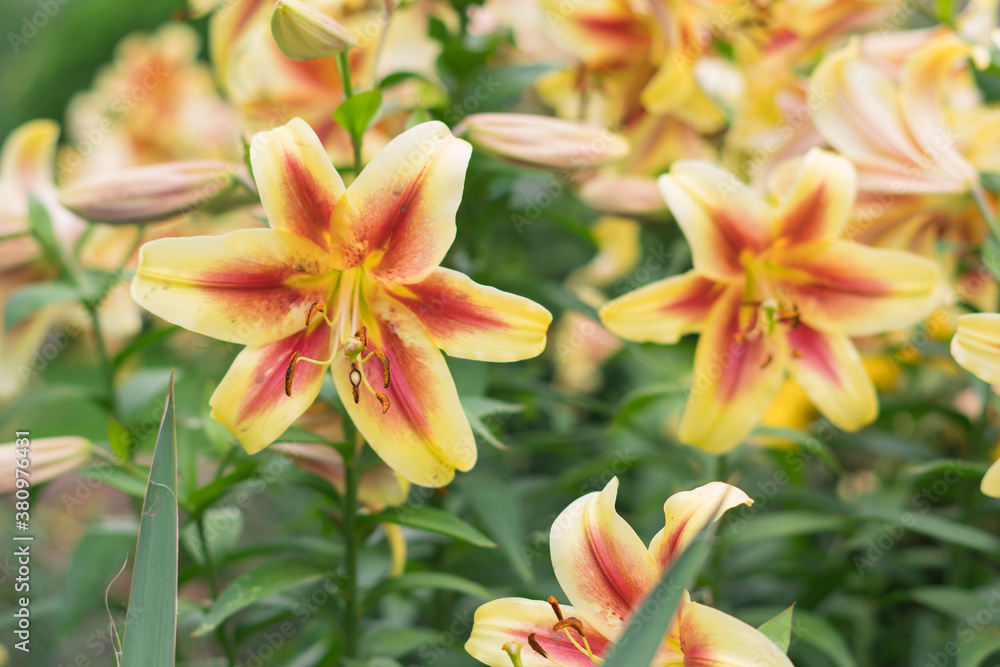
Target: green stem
<point x="14" y="235"/>
<point x="103" y="360"/>
<point x="213" y="586"/>
<point x="979" y="196"/>
<point x="344" y="67"/>
<point x="352" y="603"/>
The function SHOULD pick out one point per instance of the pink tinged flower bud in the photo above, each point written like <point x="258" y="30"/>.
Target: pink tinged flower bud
<point x="157" y="192"/>
<point x="623" y="193"/>
<point x="543" y="142"/>
<point x="303" y="32"/>
<point x="47" y="458"/>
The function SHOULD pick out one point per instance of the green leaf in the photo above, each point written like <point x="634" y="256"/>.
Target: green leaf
<point x="956" y="602"/>
<point x="644" y="633"/>
<point x="478" y="408"/>
<point x="151" y="624"/>
<point x="821" y="635"/>
<point x="41" y="229"/>
<point x="396" y="641"/>
<point x="807" y="441"/>
<point x="990" y="180"/>
<point x="779" y="629"/>
<point x="121" y="441"/>
<point x="433" y="520"/>
<point x="399" y="77"/>
<point x="437" y="580"/>
<point x="96" y="560"/>
<point x="979" y="648"/>
<point x="262" y="582"/>
<point x="781" y="524"/>
<point x="122" y="480"/>
<point x="223" y="527"/>
<point x="357" y="112"/>
<point x="32" y="298"/>
<point x="144" y="341"/>
<point x="942" y="529"/>
<point x="493" y="500"/>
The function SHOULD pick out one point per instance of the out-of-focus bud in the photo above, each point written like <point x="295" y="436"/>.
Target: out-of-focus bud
<point x="621" y="193"/>
<point x="303" y="32"/>
<point x="48" y="458"/>
<point x="159" y="191"/>
<point x="543" y="142"/>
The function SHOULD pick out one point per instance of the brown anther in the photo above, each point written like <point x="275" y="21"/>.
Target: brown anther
<point x="533" y="643"/>
<point x="570" y="622"/>
<point x="767" y="361"/>
<point x="313" y="310"/>
<point x="384" y="360"/>
<point x="355" y="378"/>
<point x="797" y="354"/>
<point x="751" y="303"/>
<point x="740" y="338"/>
<point x="384" y="400"/>
<point x="362" y="335"/>
<point x="290" y="374"/>
<point x="555" y="607"/>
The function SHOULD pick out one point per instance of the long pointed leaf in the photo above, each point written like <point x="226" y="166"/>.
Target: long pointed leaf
<point x="151" y="623"/>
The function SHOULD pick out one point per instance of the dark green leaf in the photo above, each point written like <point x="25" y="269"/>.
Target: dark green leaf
<point x="434" y="521"/>
<point x="437" y="580"/>
<point x="32" y="298"/>
<point x="496" y="504"/>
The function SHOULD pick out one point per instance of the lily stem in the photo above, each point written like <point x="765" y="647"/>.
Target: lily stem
<point x="352" y="603"/>
<point x="344" y="67"/>
<point x="103" y="360"/>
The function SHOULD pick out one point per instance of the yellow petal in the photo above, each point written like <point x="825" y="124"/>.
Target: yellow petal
<point x="424" y="436"/>
<point x="671" y="86"/>
<point x="251" y="401"/>
<point x="720" y="216"/>
<point x="687" y="513"/>
<point x="513" y="619"/>
<point x="991" y="481"/>
<point x="857" y="290"/>
<point x="251" y="286"/>
<point x="830" y="370"/>
<point x="618" y="252"/>
<point x="820" y="200"/>
<point x="710" y="638"/>
<point x="663" y="311"/>
<point x="298" y="185"/>
<point x="976" y="345"/>
<point x="601" y="564"/>
<point x="733" y="381"/>
<point x="26" y="162"/>
<point x="473" y="321"/>
<point x="398" y="217"/>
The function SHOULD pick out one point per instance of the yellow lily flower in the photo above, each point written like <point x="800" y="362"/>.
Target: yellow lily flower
<point x="345" y="274"/>
<point x="606" y="571"/>
<point x="774" y="290"/>
<point x="976" y="348"/>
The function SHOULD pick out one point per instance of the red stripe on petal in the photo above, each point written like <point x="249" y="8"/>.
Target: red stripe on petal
<point x="307" y="201"/>
<point x="816" y="352"/>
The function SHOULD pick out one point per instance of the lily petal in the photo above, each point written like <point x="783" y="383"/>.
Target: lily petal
<point x="251" y="401"/>
<point x="820" y="201"/>
<point x="514" y="619"/>
<point x="976" y="345"/>
<point x="251" y="286"/>
<point x="663" y="311"/>
<point x="710" y="638"/>
<point x="473" y="321"/>
<point x="688" y="512"/>
<point x="297" y="182"/>
<point x="424" y="436"/>
<point x="857" y="290"/>
<point x="26" y="161"/>
<point x="599" y="561"/>
<point x="990" y="485"/>
<point x="720" y="216"/>
<point x="830" y="370"/>
<point x="398" y="217"/>
<point x="733" y="381"/>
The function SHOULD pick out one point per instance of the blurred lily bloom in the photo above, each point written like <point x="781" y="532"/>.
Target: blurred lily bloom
<point x="49" y="457"/>
<point x="344" y="275"/>
<point x="606" y="572"/>
<point x="774" y="290"/>
<point x="543" y="142"/>
<point x="303" y="32"/>
<point x="152" y="192"/>
<point x="976" y="348"/>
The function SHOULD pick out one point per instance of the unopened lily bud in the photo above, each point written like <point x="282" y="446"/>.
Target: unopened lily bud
<point x="543" y="142"/>
<point x="47" y="458"/>
<point x="156" y="192"/>
<point x="303" y="32"/>
<point x="621" y="193"/>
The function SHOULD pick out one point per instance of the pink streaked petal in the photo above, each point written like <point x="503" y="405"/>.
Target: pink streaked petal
<point x="298" y="185"/>
<point x="712" y="638"/>
<point x="251" y="286"/>
<point x="514" y="620"/>
<point x="734" y="379"/>
<point x="474" y="321"/>
<point x="830" y="370"/>
<point x="976" y="345"/>
<point x="663" y="311"/>
<point x="398" y="217"/>
<point x="820" y="200"/>
<point x="720" y="216"/>
<point x="425" y="435"/>
<point x="857" y="290"/>
<point x="601" y="564"/>
<point x="687" y="513"/>
<point x="251" y="401"/>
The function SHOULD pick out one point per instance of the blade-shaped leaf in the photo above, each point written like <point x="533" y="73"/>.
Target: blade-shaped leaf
<point x="262" y="582"/>
<point x="495" y="503"/>
<point x="151" y="623"/>
<point x="435" y="521"/>
<point x="32" y="298"/>
<point x="779" y="629"/>
<point x="437" y="580"/>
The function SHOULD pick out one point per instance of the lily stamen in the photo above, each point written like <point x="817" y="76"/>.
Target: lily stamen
<point x="355" y="347"/>
<point x="293" y="362"/>
<point x="555" y="607"/>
